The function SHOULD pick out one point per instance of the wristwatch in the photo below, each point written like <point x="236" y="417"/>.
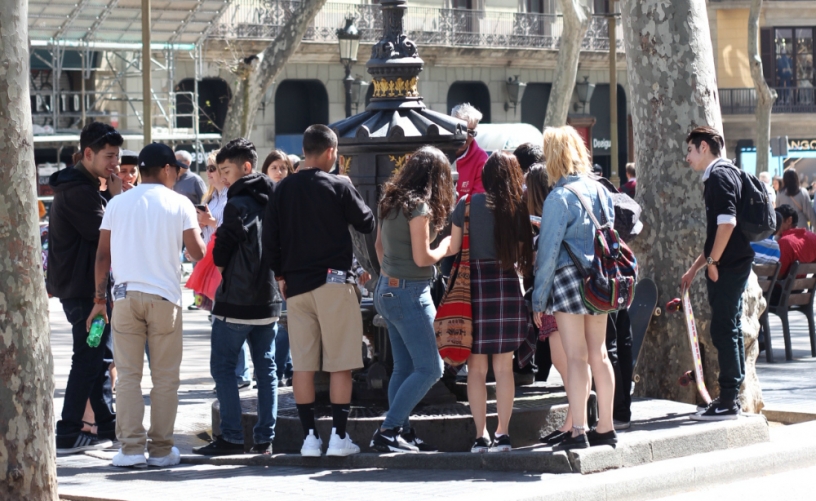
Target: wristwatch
<point x="710" y="262"/>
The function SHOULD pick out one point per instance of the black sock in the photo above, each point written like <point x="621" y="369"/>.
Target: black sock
<point x="307" y="420"/>
<point x="340" y="414"/>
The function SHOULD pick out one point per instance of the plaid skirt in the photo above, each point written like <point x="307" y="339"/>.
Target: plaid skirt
<point x="500" y="317"/>
<point x="565" y="296"/>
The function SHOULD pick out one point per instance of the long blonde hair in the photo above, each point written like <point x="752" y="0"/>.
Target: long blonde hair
<point x="211" y="188"/>
<point x="565" y="153"/>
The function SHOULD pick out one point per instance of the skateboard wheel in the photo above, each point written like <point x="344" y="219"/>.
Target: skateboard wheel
<point x="658" y="311"/>
<point x="637" y="378"/>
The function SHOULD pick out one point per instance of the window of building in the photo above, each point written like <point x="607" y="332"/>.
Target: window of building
<point x="298" y="104"/>
<point x="475" y="93"/>
<point x="787" y="56"/>
<point x="540" y="6"/>
<point x="462" y="4"/>
<point x="214" y="95"/>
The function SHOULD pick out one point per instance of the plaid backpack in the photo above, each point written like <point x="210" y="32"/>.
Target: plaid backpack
<point x="609" y="284"/>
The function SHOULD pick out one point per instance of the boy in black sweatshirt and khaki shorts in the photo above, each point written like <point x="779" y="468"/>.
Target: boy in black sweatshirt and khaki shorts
<point x="307" y="236"/>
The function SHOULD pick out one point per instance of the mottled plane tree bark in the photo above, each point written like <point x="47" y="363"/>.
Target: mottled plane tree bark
<point x="673" y="88"/>
<point x="765" y="95"/>
<point x="576" y="22"/>
<point x="27" y="447"/>
<point x="255" y="74"/>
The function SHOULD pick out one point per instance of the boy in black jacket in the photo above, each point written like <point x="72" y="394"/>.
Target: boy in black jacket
<point x="76" y="215"/>
<point x="308" y="239"/>
<point x="727" y="257"/>
<point x="247" y="304"/>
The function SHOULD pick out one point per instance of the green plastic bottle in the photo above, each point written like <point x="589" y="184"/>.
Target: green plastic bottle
<point x="95" y="334"/>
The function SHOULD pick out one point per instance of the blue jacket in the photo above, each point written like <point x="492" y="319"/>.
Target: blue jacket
<point x="565" y="220"/>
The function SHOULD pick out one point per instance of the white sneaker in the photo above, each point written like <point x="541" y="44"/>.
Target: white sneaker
<point x="341" y="446"/>
<point x="127" y="460"/>
<point x="171" y="459"/>
<point x="312" y="446"/>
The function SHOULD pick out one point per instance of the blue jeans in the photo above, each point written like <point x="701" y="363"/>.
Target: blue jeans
<point x="89" y="377"/>
<point x="226" y="343"/>
<point x="242" y="369"/>
<point x="409" y="312"/>
<point x="283" y="358"/>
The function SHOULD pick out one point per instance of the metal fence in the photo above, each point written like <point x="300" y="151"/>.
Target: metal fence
<point x="263" y="20"/>
<point x="789" y="100"/>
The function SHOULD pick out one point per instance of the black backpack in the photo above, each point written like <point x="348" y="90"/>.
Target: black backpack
<point x="756" y="214"/>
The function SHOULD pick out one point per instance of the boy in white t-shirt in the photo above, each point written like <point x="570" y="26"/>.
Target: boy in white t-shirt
<point x="144" y="230"/>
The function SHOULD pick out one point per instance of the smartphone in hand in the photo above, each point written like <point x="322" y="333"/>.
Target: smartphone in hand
<point x="201" y="207"/>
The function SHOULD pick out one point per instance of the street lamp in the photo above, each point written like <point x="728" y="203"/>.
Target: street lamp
<point x="515" y="90"/>
<point x="584" y="90"/>
<point x="359" y="89"/>
<point x="349" y="41"/>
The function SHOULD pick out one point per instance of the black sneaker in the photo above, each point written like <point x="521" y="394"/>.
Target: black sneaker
<point x="481" y="445"/>
<point x="703" y="408"/>
<point x="501" y="444"/>
<point x="219" y="447"/>
<point x="411" y="438"/>
<point x="264" y="448"/>
<point x="554" y="437"/>
<point x="390" y="441"/>
<point x="720" y="411"/>
<point x="577" y="442"/>
<point x="73" y="444"/>
<point x="608" y="438"/>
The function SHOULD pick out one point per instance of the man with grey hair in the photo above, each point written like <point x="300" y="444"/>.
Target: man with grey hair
<point x="765" y="177"/>
<point x="189" y="183"/>
<point x="470" y="157"/>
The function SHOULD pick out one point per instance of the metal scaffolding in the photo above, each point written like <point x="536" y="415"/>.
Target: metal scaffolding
<point x="101" y="42"/>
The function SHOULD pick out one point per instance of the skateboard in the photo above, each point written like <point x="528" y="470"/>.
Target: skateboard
<point x="695" y="375"/>
<point x="643" y="307"/>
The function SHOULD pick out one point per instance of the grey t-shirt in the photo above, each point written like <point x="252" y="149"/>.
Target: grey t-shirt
<point x="398" y="256"/>
<point x="191" y="186"/>
<point x="482" y="239"/>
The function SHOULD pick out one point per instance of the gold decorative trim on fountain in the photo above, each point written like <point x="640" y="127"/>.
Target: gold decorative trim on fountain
<point x="399" y="161"/>
<point x="398" y="87"/>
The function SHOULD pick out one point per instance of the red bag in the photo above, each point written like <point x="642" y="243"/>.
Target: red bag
<point x="205" y="278"/>
<point x="453" y="324"/>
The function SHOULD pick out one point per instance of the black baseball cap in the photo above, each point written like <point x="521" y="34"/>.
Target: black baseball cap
<point x="128" y="157"/>
<point x="158" y="155"/>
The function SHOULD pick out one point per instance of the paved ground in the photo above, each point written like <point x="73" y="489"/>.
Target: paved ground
<point x="786" y="385"/>
<point x="789" y="385"/>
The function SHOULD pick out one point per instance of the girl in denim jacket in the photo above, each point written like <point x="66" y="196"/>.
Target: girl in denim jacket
<point x="558" y="283"/>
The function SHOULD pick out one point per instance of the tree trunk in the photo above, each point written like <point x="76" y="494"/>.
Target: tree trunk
<point x="576" y="22"/>
<point x="765" y="95"/>
<point x="673" y="88"/>
<point x="27" y="455"/>
<point x="255" y="74"/>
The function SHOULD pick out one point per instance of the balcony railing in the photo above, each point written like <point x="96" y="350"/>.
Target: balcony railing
<point x="789" y="100"/>
<point x="262" y="20"/>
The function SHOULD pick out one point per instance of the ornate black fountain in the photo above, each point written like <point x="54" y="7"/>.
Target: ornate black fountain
<point x="378" y="141"/>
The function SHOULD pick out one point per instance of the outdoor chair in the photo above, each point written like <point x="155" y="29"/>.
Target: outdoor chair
<point x="796" y="294"/>
<point x="767" y="275"/>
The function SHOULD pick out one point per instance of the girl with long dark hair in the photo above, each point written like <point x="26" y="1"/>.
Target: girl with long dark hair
<point x="501" y="248"/>
<point x="414" y="207"/>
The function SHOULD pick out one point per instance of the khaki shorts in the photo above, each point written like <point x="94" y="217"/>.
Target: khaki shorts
<point x="327" y="322"/>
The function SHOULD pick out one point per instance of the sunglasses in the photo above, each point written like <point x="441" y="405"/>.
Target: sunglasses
<point x="113" y="135"/>
<point x="212" y="168"/>
<point x="472" y="132"/>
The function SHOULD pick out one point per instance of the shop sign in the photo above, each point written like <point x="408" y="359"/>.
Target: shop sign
<point x="802" y="144"/>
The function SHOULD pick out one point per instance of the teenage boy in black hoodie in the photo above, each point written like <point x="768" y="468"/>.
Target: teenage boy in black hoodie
<point x="247" y="304"/>
<point x="73" y="236"/>
<point x="307" y="236"/>
<point x="727" y="257"/>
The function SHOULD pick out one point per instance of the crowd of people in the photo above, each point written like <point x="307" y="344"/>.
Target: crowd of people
<point x="277" y="239"/>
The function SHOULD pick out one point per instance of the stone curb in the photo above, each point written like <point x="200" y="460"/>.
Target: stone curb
<point x="795" y="451"/>
<point x="684" y="441"/>
<point x="788" y="416"/>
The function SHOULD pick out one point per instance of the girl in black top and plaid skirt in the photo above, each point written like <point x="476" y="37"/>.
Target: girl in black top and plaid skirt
<point x="500" y="248"/>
